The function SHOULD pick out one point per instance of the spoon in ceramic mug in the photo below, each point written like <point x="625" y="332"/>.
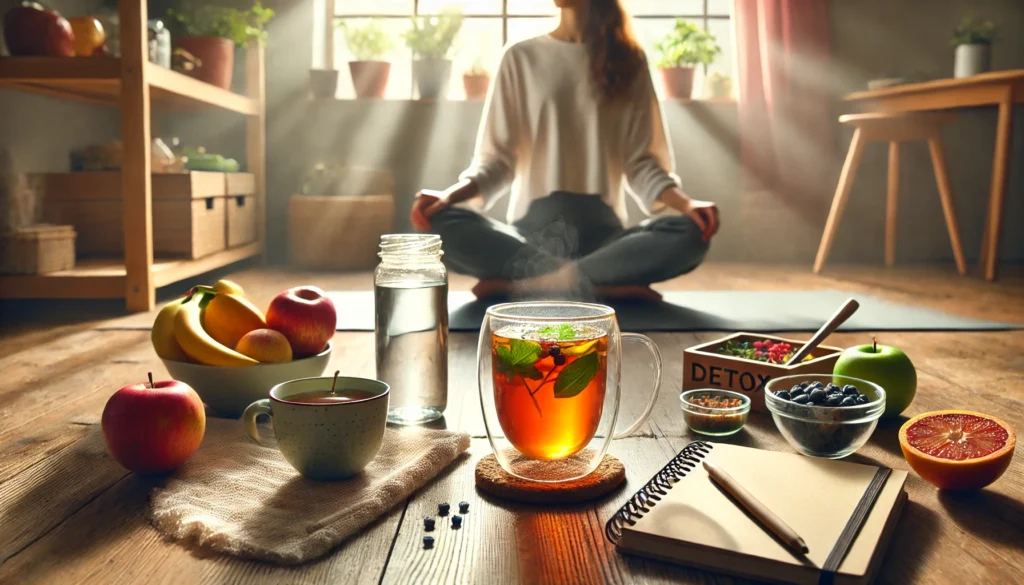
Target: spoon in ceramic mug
<point x="838" y="318"/>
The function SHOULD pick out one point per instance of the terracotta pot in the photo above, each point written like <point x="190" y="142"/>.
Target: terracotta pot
<point x="370" y="78"/>
<point x="432" y="77"/>
<point x="217" y="58"/>
<point x="476" y="85"/>
<point x="678" y="81"/>
<point x="323" y="84"/>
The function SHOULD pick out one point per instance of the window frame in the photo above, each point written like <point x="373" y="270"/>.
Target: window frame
<point x="333" y="18"/>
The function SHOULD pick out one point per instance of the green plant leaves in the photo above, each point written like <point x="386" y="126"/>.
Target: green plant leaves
<point x="520" y="358"/>
<point x="687" y="45"/>
<point x="575" y="377"/>
<point x="563" y="332"/>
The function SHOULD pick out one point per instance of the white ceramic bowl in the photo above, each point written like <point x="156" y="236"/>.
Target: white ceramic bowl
<point x="229" y="390"/>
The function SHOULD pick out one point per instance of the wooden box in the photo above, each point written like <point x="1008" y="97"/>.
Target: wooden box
<point x="241" y="209"/>
<point x="704" y="367"/>
<point x="189" y="211"/>
<point x="38" y="249"/>
<point x="339" y="232"/>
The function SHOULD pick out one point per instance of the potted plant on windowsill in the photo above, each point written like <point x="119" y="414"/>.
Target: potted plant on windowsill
<point x="368" y="42"/>
<point x="680" y="51"/>
<point x="211" y="33"/>
<point x="431" y="39"/>
<point x="476" y="81"/>
<point x="973" y="42"/>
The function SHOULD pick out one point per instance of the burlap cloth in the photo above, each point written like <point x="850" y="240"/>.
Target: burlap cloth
<point x="236" y="497"/>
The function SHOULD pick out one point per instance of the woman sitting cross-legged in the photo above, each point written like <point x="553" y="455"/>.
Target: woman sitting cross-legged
<point x="570" y="115"/>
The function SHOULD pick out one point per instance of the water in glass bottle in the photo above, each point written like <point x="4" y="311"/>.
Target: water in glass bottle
<point x="411" y="300"/>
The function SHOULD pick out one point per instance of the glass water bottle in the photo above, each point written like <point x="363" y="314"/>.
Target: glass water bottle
<point x="411" y="301"/>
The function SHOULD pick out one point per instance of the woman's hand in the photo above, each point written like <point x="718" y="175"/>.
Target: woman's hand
<point x="427" y="203"/>
<point x="703" y="213"/>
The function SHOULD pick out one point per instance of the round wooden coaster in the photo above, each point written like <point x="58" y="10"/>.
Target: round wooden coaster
<point x="494" y="480"/>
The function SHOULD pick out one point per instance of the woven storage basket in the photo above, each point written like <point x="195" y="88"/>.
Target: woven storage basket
<point x="38" y="249"/>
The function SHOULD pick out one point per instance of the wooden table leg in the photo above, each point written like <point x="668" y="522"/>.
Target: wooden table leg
<point x="839" y="201"/>
<point x="946" y="197"/>
<point x="1000" y="165"/>
<point x="891" y="207"/>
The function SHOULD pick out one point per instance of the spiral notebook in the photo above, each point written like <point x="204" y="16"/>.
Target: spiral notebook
<point x="844" y="511"/>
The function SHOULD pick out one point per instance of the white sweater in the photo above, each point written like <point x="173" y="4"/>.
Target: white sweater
<point x="544" y="129"/>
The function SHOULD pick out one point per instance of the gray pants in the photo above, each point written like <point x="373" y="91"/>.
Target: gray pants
<point x="568" y="226"/>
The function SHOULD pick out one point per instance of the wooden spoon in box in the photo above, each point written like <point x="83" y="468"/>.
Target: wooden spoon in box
<point x="838" y="318"/>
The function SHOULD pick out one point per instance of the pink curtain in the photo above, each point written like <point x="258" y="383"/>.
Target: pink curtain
<point x="785" y="120"/>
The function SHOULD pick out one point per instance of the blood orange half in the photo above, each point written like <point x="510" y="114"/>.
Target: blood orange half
<point x="957" y="449"/>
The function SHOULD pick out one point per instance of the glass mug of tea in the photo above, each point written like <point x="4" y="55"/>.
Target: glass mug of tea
<point x="549" y="377"/>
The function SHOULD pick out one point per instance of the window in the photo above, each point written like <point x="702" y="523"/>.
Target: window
<point x="489" y="25"/>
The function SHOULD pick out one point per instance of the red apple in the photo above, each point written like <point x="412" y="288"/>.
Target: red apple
<point x="155" y="427"/>
<point x="32" y="30"/>
<point x="306" y="317"/>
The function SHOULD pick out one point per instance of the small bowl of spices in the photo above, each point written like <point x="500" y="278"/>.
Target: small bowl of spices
<point x="714" y="412"/>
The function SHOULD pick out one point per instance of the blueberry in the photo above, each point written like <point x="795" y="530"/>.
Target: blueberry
<point x="861" y="399"/>
<point x="801" y="399"/>
<point x="428" y="542"/>
<point x="456" y="521"/>
<point x="818" y="396"/>
<point x="800" y="386"/>
<point x="442" y="509"/>
<point x="834" y="400"/>
<point x="797" y="391"/>
<point x="848" y="401"/>
<point x="850" y="390"/>
<point x="832" y="388"/>
<point x="559" y="360"/>
<point x="783" y="395"/>
<point x="815" y="385"/>
<point x="463" y="507"/>
<point x="555" y="350"/>
<point x="428" y="524"/>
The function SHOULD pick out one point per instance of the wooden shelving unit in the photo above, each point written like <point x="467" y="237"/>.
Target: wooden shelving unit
<point x="136" y="86"/>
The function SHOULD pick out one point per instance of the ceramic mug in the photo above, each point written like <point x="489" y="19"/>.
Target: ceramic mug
<point x="327" y="441"/>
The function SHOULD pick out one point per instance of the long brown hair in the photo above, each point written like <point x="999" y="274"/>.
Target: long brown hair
<point x="615" y="56"/>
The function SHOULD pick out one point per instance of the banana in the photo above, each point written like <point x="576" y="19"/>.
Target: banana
<point x="164" y="343"/>
<point x="227" y="286"/>
<point x="197" y="343"/>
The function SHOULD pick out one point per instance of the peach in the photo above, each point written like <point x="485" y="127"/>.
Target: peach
<point x="265" y="346"/>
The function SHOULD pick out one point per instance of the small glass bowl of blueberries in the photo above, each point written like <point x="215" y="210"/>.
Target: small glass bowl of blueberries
<point x="824" y="415"/>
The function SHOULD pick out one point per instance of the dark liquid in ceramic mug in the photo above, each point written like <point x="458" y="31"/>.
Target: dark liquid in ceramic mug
<point x="328" y="397"/>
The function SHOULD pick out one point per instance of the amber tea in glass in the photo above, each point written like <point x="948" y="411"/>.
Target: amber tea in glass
<point x="549" y="374"/>
<point x="549" y="387"/>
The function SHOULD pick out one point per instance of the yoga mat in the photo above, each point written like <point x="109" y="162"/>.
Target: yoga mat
<point x="732" y="310"/>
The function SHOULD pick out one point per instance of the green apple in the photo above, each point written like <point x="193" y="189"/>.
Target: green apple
<point x="886" y="366"/>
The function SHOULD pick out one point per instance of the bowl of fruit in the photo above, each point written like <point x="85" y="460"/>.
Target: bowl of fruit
<point x="825" y="415"/>
<point x="232" y="353"/>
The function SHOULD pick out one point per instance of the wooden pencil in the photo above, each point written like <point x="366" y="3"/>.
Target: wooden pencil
<point x="766" y="517"/>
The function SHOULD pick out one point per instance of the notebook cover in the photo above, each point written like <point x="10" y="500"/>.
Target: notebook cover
<point x="695" y="523"/>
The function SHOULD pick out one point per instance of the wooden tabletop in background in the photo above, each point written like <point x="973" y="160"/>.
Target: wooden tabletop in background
<point x="70" y="514"/>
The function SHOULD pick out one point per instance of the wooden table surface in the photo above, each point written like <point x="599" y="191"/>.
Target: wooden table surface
<point x="1002" y="89"/>
<point x="70" y="514"/>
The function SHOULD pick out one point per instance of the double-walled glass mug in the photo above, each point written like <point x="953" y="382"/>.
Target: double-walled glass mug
<point x="549" y="376"/>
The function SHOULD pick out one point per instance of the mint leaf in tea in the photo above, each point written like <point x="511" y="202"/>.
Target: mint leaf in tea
<point x="549" y="386"/>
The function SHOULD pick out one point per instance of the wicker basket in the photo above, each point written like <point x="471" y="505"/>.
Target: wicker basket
<point x="38" y="249"/>
<point x="338" y="232"/>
